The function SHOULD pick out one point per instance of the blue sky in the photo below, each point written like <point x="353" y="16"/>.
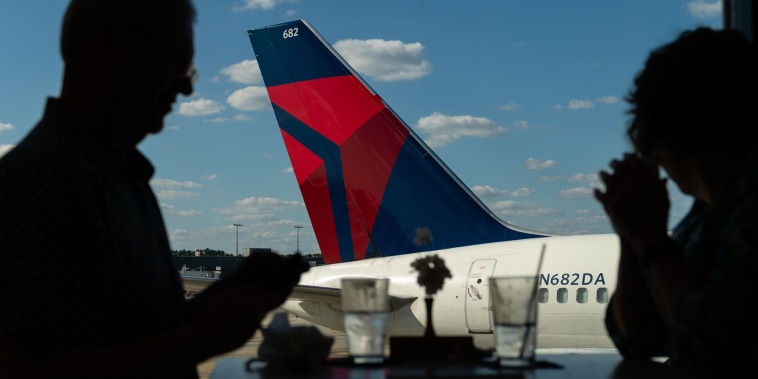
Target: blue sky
<point x="523" y="100"/>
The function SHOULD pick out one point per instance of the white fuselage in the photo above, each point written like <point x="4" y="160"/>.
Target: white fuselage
<point x="577" y="277"/>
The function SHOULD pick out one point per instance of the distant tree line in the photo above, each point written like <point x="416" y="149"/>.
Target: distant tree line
<point x="204" y="252"/>
<point x="308" y="255"/>
<point x="219" y="253"/>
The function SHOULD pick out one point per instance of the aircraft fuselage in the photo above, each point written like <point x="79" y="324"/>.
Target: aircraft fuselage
<point x="576" y="281"/>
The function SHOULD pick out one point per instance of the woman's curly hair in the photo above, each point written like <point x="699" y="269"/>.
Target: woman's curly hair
<point x="697" y="93"/>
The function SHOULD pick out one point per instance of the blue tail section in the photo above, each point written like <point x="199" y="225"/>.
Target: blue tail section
<point x="367" y="179"/>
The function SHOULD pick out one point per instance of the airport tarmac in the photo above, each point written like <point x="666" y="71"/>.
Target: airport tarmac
<point x="250" y="349"/>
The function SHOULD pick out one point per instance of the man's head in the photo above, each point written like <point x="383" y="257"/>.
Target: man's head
<point x="130" y="57"/>
<point x="697" y="94"/>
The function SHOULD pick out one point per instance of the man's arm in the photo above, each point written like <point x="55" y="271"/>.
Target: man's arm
<point x="278" y="274"/>
<point x="229" y="320"/>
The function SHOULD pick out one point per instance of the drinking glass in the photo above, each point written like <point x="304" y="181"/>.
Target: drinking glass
<point x="365" y="303"/>
<point x="514" y="306"/>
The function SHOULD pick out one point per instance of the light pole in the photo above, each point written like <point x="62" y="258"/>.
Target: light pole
<point x="298" y="227"/>
<point x="237" y="245"/>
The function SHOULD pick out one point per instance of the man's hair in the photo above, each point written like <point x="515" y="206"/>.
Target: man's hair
<point x="84" y="17"/>
<point x="697" y="93"/>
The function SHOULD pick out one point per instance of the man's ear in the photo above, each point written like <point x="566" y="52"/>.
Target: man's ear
<point x="114" y="50"/>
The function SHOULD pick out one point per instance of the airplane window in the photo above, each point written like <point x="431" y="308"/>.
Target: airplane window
<point x="562" y="295"/>
<point x="581" y="295"/>
<point x="602" y="295"/>
<point x="543" y="295"/>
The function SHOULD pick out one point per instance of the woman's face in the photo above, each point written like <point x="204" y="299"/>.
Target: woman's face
<point x="680" y="168"/>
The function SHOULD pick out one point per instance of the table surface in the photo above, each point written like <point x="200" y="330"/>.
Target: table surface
<point x="587" y="364"/>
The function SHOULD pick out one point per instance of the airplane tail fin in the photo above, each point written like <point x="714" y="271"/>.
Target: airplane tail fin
<point x="368" y="181"/>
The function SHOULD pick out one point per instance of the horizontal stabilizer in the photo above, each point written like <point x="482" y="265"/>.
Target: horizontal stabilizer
<point x="333" y="297"/>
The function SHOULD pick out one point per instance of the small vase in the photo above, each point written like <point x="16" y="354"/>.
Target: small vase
<point x="429" y="326"/>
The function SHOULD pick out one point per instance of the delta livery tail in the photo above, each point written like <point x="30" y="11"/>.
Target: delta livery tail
<point x="367" y="179"/>
<point x="369" y="182"/>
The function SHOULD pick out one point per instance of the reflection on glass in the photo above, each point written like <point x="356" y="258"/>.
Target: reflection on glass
<point x="543" y="295"/>
<point x="581" y="295"/>
<point x="602" y="295"/>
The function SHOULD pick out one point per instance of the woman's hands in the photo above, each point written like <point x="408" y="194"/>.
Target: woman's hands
<point x="636" y="201"/>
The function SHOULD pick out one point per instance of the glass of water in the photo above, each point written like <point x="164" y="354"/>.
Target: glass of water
<point x="365" y="303"/>
<point x="514" y="306"/>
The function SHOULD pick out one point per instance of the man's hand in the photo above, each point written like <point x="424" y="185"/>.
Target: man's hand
<point x="278" y="273"/>
<point x="232" y="316"/>
<point x="228" y="313"/>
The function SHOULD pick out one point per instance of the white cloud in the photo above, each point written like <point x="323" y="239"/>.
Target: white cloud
<point x="169" y="210"/>
<point x="5" y="127"/>
<point x="260" y="4"/>
<point x="179" y="234"/>
<point x="252" y="98"/>
<point x="487" y="191"/>
<point x="174" y="127"/>
<point x="511" y="107"/>
<point x="704" y="9"/>
<point x="536" y="164"/>
<point x="288" y="170"/>
<point x="521" y="192"/>
<point x="443" y="129"/>
<point x="238" y="117"/>
<point x="187" y="213"/>
<point x="513" y="205"/>
<point x="575" y="104"/>
<point x="580" y="104"/>
<point x="169" y="183"/>
<point x="210" y="177"/>
<point x="173" y="195"/>
<point x="216" y="120"/>
<point x="258" y="208"/>
<point x="520" y="124"/>
<point x="608" y="99"/>
<point x="515" y="208"/>
<point x="385" y="61"/>
<point x="576" y="192"/>
<point x="597" y="185"/>
<point x="246" y="72"/>
<point x="200" y="107"/>
<point x="581" y="177"/>
<point x="5" y="149"/>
